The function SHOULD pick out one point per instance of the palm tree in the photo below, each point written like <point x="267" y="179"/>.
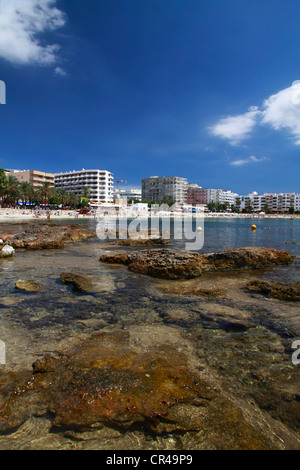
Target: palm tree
<point x="44" y="193"/>
<point x="12" y="189"/>
<point x="26" y="192"/>
<point x="85" y="196"/>
<point x="73" y="199"/>
<point x="3" y="184"/>
<point x="211" y="206"/>
<point x="46" y="190"/>
<point x="61" y="197"/>
<point x="86" y="193"/>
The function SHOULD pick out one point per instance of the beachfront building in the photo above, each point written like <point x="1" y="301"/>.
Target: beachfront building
<point x="198" y="195"/>
<point x="128" y="194"/>
<point x="98" y="182"/>
<point x="195" y="195"/>
<point x="270" y="202"/>
<point x="281" y="202"/>
<point x="33" y="177"/>
<point x="155" y="188"/>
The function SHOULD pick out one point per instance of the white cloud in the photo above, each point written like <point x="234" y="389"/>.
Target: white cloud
<point x="60" y="71"/>
<point x="21" y="24"/>
<point x="236" y="128"/>
<point x="246" y="161"/>
<point x="282" y="111"/>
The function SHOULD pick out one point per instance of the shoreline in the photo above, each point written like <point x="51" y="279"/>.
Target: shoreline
<point x="19" y="215"/>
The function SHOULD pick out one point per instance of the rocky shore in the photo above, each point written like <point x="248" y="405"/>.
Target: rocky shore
<point x="41" y="236"/>
<point x="187" y="351"/>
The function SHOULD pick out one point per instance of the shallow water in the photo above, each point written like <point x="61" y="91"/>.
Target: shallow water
<point x="32" y="324"/>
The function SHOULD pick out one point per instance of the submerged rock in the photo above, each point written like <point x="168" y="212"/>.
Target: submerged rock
<point x="277" y="290"/>
<point x="80" y="283"/>
<point x="180" y="264"/>
<point x="107" y="380"/>
<point x="115" y="258"/>
<point x="46" y="236"/>
<point x="192" y="290"/>
<point x="142" y="242"/>
<point x="28" y="286"/>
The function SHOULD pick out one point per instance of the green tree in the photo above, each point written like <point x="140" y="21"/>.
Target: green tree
<point x="211" y="206"/>
<point x="267" y="209"/>
<point x="73" y="200"/>
<point x="3" y="185"/>
<point x="84" y="199"/>
<point x="46" y="191"/>
<point x="26" y="192"/>
<point x="291" y="210"/>
<point x="166" y="200"/>
<point x="86" y="193"/>
<point x="12" y="189"/>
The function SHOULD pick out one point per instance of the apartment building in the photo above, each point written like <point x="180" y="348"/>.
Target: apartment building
<point x="156" y="188"/>
<point x="129" y="194"/>
<point x="99" y="183"/>
<point x="33" y="177"/>
<point x="198" y="195"/>
<point x="272" y="202"/>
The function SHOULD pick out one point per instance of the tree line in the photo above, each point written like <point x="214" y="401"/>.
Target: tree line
<point x="15" y="193"/>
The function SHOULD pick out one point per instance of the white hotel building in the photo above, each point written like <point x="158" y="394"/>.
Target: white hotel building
<point x="99" y="182"/>
<point x="274" y="202"/>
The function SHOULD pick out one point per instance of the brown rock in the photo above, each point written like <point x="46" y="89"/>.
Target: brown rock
<point x="112" y="258"/>
<point x="192" y="290"/>
<point x="29" y="286"/>
<point x="80" y="283"/>
<point x="166" y="264"/>
<point x="46" y="236"/>
<point x="105" y="380"/>
<point x="142" y="242"/>
<point x="278" y="290"/>
<point x="180" y="264"/>
<point x="246" y="258"/>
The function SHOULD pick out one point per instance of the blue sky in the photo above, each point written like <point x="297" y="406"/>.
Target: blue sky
<point x="204" y="89"/>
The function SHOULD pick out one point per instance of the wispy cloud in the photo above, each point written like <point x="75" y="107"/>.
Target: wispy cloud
<point x="281" y="111"/>
<point x="236" y="128"/>
<point x="21" y="24"/>
<point x="246" y="161"/>
<point x="60" y="71"/>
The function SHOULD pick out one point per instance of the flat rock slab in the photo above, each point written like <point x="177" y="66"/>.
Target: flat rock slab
<point x="28" y="286"/>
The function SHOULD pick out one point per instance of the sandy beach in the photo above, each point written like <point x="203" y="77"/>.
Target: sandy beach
<point x="16" y="215"/>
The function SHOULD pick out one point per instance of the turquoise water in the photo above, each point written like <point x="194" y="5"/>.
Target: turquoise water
<point x="225" y="233"/>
